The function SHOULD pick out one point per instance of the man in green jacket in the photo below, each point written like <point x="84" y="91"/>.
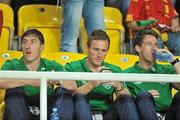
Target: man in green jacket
<point x="152" y="97"/>
<point x="84" y="96"/>
<point x="22" y="97"/>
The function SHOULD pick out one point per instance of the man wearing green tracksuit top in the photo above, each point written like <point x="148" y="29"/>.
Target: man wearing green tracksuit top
<point x="152" y="97"/>
<point x="22" y="96"/>
<point x="75" y="103"/>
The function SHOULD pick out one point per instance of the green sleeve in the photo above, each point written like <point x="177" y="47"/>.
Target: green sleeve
<point x="7" y="66"/>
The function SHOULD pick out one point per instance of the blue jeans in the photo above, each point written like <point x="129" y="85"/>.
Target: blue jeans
<point x="173" y="2"/>
<point x="173" y="43"/>
<point x="65" y="105"/>
<point x="146" y="106"/>
<point x="18" y="104"/>
<point x="122" y="5"/>
<point x="93" y="14"/>
<point x="77" y="106"/>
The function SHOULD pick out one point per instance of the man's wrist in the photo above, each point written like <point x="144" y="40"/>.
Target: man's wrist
<point x="119" y="88"/>
<point x="175" y="61"/>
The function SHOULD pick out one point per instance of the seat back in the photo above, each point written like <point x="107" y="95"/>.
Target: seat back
<point x="63" y="57"/>
<point x="122" y="60"/>
<point x="7" y="33"/>
<point x="114" y="29"/>
<point x="45" y="18"/>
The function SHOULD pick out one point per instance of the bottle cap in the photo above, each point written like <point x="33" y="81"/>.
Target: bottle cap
<point x="54" y="109"/>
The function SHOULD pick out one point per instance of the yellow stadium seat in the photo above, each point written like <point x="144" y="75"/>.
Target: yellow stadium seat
<point x="7" y="34"/>
<point x="7" y="55"/>
<point x="122" y="60"/>
<point x="114" y="28"/>
<point x="46" y="18"/>
<point x="63" y="57"/>
<point x="2" y="107"/>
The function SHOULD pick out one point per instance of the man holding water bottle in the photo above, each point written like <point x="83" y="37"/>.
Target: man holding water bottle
<point x="163" y="14"/>
<point x="84" y="97"/>
<point x="154" y="97"/>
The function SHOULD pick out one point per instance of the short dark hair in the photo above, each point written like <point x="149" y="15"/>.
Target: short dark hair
<point x="34" y="32"/>
<point x="139" y="36"/>
<point x="98" y="35"/>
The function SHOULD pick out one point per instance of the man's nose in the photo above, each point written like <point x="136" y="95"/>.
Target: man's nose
<point x="100" y="54"/>
<point x="27" y="45"/>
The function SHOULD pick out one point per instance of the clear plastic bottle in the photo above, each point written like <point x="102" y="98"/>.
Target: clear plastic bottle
<point x="54" y="114"/>
<point x="164" y="56"/>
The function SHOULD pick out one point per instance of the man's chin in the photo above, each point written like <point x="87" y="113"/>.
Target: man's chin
<point x="98" y="63"/>
<point x="28" y="60"/>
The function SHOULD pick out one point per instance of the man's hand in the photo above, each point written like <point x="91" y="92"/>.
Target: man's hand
<point x="175" y="27"/>
<point x="116" y="84"/>
<point x="154" y="93"/>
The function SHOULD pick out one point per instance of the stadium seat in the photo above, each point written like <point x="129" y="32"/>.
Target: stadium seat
<point x="7" y="33"/>
<point x="1" y="21"/>
<point x="63" y="57"/>
<point x="122" y="60"/>
<point x="46" y="18"/>
<point x="2" y="106"/>
<point x="114" y="28"/>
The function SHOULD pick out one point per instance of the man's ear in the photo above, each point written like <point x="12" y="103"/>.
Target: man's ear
<point x="137" y="48"/>
<point x="42" y="47"/>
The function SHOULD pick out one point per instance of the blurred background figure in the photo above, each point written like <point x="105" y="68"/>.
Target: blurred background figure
<point x="93" y="14"/>
<point x="164" y="17"/>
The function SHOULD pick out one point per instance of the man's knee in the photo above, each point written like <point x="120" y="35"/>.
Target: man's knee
<point x="80" y="97"/>
<point x="144" y="96"/>
<point x="125" y="98"/>
<point x="177" y="97"/>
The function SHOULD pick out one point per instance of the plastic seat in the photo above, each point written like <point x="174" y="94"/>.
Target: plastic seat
<point x="7" y="33"/>
<point x="2" y="107"/>
<point x="47" y="19"/>
<point x="122" y="60"/>
<point x="63" y="57"/>
<point x="114" y="28"/>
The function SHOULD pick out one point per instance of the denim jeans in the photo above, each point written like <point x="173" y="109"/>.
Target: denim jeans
<point x="173" y="2"/>
<point x="19" y="106"/>
<point x="173" y="43"/>
<point x="78" y="107"/>
<point x="93" y="14"/>
<point x="146" y="106"/>
<point x="65" y="105"/>
<point x="173" y="112"/>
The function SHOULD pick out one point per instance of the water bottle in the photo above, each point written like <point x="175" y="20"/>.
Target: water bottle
<point x="54" y="114"/>
<point x="164" y="56"/>
<point x="144" y="22"/>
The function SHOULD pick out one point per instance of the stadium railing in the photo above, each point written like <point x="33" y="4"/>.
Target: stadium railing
<point x="44" y="76"/>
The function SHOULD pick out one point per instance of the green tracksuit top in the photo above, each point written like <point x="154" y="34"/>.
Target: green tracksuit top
<point x="164" y="89"/>
<point x="45" y="65"/>
<point x="100" y="96"/>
